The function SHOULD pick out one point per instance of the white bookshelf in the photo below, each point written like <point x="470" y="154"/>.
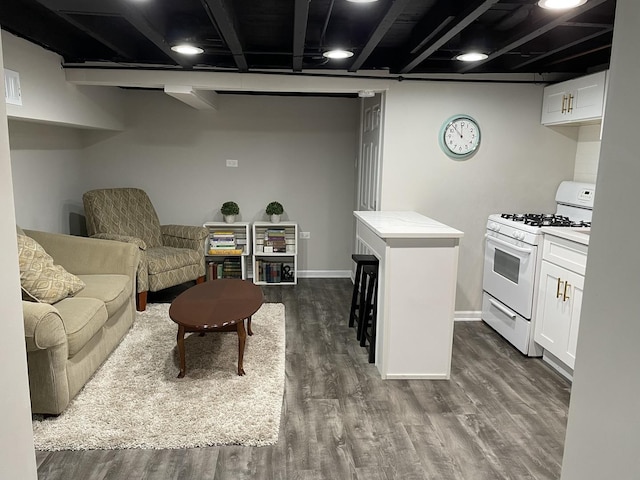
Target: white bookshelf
<point x="215" y="262"/>
<point x="275" y="268"/>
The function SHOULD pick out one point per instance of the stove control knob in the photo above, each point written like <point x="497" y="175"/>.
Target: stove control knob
<point x="494" y="226"/>
<point x="518" y="235"/>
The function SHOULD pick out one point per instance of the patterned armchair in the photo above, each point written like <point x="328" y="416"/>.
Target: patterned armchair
<point x="170" y="254"/>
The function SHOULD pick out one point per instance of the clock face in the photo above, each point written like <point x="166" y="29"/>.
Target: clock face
<point x="460" y="137"/>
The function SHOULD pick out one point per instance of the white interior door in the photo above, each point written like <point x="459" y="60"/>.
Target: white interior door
<point x="369" y="160"/>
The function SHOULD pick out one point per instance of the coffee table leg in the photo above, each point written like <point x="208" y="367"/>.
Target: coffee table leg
<point x="242" y="337"/>
<point x="249" y="326"/>
<point x="180" y="341"/>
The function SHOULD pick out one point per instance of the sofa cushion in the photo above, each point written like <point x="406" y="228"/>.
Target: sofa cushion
<point x="114" y="290"/>
<point x="82" y="318"/>
<point x="39" y="277"/>
<point x="165" y="259"/>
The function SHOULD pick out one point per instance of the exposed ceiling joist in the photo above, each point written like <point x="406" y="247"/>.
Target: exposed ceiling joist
<point x="300" y="17"/>
<point x="394" y="11"/>
<point x="567" y="46"/>
<point x="463" y="21"/>
<point x="541" y="28"/>
<point x="67" y="9"/>
<point x="222" y="16"/>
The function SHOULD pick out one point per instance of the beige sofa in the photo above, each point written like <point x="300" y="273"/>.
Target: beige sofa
<point x="68" y="340"/>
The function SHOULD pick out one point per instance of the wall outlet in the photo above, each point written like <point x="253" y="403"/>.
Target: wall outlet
<point x="232" y="163"/>
<point x="305" y="235"/>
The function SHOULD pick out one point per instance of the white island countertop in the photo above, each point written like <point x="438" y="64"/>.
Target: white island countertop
<point x="405" y="224"/>
<point x="579" y="235"/>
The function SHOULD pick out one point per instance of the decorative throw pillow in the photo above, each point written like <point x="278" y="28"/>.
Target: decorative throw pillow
<point x="40" y="278"/>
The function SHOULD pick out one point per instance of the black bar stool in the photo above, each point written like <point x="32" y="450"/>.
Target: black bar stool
<point x="367" y="326"/>
<point x="358" y="297"/>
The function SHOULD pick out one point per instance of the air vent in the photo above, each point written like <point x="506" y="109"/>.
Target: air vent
<point x="12" y="92"/>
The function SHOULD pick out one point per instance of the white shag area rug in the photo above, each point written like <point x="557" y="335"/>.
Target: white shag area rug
<point x="135" y="400"/>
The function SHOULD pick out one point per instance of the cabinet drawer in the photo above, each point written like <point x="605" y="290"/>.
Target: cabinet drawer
<point x="565" y="253"/>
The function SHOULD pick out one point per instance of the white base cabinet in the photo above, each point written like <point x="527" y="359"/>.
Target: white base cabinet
<point x="560" y="298"/>
<point x="575" y="101"/>
<point x="559" y="306"/>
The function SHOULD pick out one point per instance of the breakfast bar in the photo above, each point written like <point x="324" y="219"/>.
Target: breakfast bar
<point x="416" y="291"/>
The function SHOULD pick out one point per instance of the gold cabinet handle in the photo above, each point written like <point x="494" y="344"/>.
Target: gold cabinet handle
<point x="558" y="293"/>
<point x="570" y="106"/>
<point x="564" y="104"/>
<point x="565" y="297"/>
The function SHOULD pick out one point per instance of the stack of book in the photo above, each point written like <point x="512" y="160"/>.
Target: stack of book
<point x="274" y="272"/>
<point x="275" y="238"/>
<point x="223" y="243"/>
<point x="230" y="267"/>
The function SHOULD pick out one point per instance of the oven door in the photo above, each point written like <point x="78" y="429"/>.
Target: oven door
<point x="509" y="272"/>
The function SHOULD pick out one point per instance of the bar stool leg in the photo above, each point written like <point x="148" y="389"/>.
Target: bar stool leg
<point x="356" y="291"/>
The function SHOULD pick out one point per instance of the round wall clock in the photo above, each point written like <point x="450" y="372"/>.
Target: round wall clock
<point x="459" y="137"/>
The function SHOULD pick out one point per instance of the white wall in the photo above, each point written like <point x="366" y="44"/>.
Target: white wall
<point x="46" y="163"/>
<point x="48" y="97"/>
<point x="603" y="432"/>
<point x="587" y="154"/>
<point x="518" y="166"/>
<point x="17" y="455"/>
<point x="298" y="150"/>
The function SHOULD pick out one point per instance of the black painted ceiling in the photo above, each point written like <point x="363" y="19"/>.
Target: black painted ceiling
<point x="395" y="36"/>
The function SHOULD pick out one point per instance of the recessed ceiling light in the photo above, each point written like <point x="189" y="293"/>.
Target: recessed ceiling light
<point x="187" y="49"/>
<point x="362" y="1"/>
<point x="338" y="54"/>
<point x="560" y="4"/>
<point x="472" y="57"/>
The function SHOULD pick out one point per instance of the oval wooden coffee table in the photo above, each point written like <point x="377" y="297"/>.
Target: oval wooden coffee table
<point x="216" y="306"/>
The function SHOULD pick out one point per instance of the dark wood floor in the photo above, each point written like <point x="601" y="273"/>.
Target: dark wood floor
<point x="501" y="416"/>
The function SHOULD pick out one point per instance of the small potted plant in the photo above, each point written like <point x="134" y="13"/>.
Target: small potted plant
<point x="229" y="210"/>
<point x="274" y="210"/>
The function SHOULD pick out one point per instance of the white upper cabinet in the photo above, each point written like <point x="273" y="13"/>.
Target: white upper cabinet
<point x="575" y="101"/>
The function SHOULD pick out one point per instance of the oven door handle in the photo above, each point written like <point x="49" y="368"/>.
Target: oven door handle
<point x="528" y="251"/>
<point x="504" y="310"/>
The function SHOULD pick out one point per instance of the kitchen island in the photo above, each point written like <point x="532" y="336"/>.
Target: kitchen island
<point x="416" y="291"/>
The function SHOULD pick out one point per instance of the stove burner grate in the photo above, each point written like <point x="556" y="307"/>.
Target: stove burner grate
<point x="545" y="220"/>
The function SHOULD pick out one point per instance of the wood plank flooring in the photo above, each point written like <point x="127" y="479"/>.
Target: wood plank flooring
<point x="501" y="416"/>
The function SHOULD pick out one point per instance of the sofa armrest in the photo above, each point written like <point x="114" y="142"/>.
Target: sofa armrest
<point x="84" y="256"/>
<point x="122" y="238"/>
<point x="184" y="236"/>
<point x="43" y="327"/>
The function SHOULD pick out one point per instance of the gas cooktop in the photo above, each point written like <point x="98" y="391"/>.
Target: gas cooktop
<point x="544" y="220"/>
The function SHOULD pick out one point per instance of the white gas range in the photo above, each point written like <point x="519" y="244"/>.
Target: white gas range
<point x="512" y="263"/>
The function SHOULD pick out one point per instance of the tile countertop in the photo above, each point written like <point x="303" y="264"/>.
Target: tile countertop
<point x="401" y="224"/>
<point x="579" y="235"/>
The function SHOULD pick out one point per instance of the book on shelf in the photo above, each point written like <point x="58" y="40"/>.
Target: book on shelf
<point x="226" y="251"/>
<point x="225" y="268"/>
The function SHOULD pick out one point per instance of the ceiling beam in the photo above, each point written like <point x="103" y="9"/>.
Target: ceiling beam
<point x="560" y="49"/>
<point x="301" y="16"/>
<point x="460" y="23"/>
<point x="393" y="12"/>
<point x="539" y="29"/>
<point x="221" y="16"/>
<point x="198" y="99"/>
<point x="66" y="8"/>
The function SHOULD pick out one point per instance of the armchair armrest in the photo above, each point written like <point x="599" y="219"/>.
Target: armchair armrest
<point x="122" y="238"/>
<point x="184" y="236"/>
<point x="85" y="256"/>
<point x="43" y="327"/>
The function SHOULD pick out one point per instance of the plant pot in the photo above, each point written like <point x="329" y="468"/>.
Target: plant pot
<point x="230" y="218"/>
<point x="275" y="218"/>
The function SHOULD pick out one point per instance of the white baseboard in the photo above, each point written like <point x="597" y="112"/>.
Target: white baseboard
<point x="467" y="315"/>
<point x="324" y="273"/>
